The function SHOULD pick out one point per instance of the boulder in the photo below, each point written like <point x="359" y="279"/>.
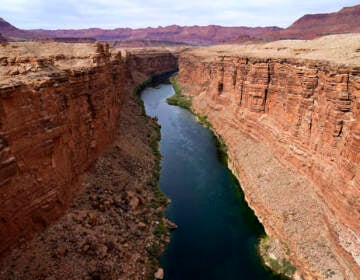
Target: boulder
<point x="159" y="274"/>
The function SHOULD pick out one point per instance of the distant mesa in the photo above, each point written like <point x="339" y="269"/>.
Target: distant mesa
<point x="144" y="43"/>
<point x="191" y="35"/>
<point x="347" y="20"/>
<point x="72" y="40"/>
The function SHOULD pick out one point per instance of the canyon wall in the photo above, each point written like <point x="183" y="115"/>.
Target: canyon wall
<point x="59" y="109"/>
<point x="291" y="125"/>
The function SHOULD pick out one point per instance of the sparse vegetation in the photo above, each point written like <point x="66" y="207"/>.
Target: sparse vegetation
<point x="154" y="251"/>
<point x="160" y="199"/>
<point x="219" y="141"/>
<point x="280" y="266"/>
<point x="160" y="229"/>
<point x="329" y="273"/>
<point x="221" y="148"/>
<point x="283" y="266"/>
<point x="151" y="81"/>
<point x="204" y="121"/>
<point x="178" y="99"/>
<point x="264" y="244"/>
<point x="154" y="138"/>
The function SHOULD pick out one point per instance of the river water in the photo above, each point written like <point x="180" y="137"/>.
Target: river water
<point x="217" y="232"/>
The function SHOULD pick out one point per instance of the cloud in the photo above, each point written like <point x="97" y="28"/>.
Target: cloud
<point x="52" y="14"/>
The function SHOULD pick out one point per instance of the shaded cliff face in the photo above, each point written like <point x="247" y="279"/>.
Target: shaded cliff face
<point x="59" y="107"/>
<point x="292" y="130"/>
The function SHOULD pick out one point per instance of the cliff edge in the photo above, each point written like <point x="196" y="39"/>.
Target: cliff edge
<point x="289" y="114"/>
<point x="75" y="145"/>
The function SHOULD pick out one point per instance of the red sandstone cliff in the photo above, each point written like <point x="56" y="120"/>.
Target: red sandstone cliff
<point x="59" y="107"/>
<point x="291" y="125"/>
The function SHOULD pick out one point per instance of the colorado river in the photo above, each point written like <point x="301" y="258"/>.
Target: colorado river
<point x="217" y="232"/>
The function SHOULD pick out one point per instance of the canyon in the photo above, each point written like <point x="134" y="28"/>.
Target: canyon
<point x="288" y="113"/>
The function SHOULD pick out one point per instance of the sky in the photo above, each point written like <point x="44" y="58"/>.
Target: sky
<point x="65" y="14"/>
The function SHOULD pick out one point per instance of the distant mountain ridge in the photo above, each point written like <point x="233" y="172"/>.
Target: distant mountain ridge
<point x="10" y="32"/>
<point x="310" y="26"/>
<point x="202" y="35"/>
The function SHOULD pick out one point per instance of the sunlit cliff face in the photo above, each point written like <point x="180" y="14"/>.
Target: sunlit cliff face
<point x="290" y="123"/>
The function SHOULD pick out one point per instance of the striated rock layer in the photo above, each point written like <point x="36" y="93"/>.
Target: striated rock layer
<point x="291" y="125"/>
<point x="59" y="110"/>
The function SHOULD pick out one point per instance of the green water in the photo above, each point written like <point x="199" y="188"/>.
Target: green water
<point x="217" y="232"/>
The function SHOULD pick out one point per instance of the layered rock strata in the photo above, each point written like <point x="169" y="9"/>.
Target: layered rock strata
<point x="289" y="114"/>
<point x="59" y="109"/>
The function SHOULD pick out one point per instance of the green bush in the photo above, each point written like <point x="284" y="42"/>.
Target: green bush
<point x="178" y="99"/>
<point x="204" y="121"/>
<point x="154" y="136"/>
<point x="221" y="148"/>
<point x="160" y="229"/>
<point x="154" y="250"/>
<point x="154" y="79"/>
<point x="282" y="266"/>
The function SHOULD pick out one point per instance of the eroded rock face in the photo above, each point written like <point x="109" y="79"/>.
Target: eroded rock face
<point x="58" y="113"/>
<point x="293" y="134"/>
